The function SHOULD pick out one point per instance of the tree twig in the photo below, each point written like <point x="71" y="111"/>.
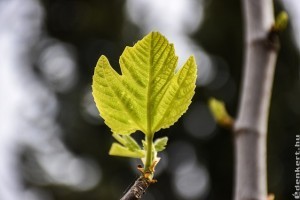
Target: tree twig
<point x="137" y="189"/>
<point x="251" y="125"/>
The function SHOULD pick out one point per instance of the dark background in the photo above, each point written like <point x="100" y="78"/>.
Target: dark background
<point x="192" y="162"/>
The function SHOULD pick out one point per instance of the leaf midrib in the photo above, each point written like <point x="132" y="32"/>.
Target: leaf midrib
<point x="149" y="131"/>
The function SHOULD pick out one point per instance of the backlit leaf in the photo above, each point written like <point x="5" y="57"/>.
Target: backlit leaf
<point x="148" y="95"/>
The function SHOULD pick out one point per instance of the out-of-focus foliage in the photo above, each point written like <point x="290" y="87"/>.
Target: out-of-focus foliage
<point x="198" y="163"/>
<point x="219" y="112"/>
<point x="281" y="21"/>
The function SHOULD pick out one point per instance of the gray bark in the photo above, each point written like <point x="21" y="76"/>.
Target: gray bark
<point x="137" y="190"/>
<point x="261" y="46"/>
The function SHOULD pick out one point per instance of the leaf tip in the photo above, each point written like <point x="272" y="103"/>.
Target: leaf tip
<point x="102" y="59"/>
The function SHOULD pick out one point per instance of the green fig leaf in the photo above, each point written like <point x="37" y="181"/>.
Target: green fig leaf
<point x="148" y="95"/>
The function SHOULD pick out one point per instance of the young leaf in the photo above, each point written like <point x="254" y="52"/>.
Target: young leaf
<point x="127" y="141"/>
<point x="119" y="138"/>
<point x="131" y="144"/>
<point x="148" y="95"/>
<point x="119" y="150"/>
<point x="145" y="145"/>
<point x="160" y="144"/>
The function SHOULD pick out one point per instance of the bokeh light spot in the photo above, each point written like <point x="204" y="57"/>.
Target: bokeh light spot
<point x="180" y="152"/>
<point x="199" y="122"/>
<point x="89" y="110"/>
<point x="191" y="181"/>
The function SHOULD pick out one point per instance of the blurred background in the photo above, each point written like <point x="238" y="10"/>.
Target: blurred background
<point x="54" y="145"/>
